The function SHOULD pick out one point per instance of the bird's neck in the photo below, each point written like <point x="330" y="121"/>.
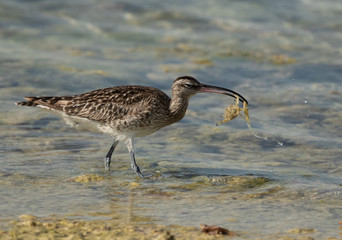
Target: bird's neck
<point x="178" y="107"/>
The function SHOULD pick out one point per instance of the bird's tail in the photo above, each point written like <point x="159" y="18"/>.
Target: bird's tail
<point x="44" y="102"/>
<point x="34" y="101"/>
<point x="31" y="102"/>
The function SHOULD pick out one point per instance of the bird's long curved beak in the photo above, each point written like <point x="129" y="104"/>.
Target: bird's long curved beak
<point x="220" y="90"/>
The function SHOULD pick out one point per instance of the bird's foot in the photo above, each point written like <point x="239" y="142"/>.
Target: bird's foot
<point x="136" y="169"/>
<point x="107" y="161"/>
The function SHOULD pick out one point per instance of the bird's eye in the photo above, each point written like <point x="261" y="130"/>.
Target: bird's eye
<point x="188" y="85"/>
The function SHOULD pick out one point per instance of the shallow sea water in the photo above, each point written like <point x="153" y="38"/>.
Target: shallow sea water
<point x="285" y="57"/>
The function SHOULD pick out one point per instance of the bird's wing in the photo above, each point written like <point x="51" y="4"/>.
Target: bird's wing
<point x="115" y="103"/>
<point x="127" y="103"/>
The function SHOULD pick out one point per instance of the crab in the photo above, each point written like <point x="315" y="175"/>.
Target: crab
<point x="234" y="110"/>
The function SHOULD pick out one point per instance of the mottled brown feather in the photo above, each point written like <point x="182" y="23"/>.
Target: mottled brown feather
<point x="117" y="103"/>
<point x="138" y="105"/>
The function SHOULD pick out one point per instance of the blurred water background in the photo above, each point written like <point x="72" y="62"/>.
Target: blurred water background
<point x="285" y="57"/>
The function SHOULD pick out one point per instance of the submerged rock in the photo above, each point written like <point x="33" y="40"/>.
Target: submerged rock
<point x="215" y="230"/>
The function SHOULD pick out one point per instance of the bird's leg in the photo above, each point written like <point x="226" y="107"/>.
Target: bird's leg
<point x="108" y="157"/>
<point x="134" y="165"/>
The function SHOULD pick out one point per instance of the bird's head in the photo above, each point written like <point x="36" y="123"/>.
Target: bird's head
<point x="187" y="86"/>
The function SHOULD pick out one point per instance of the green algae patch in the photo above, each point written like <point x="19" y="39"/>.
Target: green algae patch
<point x="301" y="231"/>
<point x="282" y="59"/>
<point x="134" y="185"/>
<point x="197" y="183"/>
<point x="87" y="178"/>
<point x="261" y="57"/>
<point x="30" y="227"/>
<point x="222" y="183"/>
<point x="263" y="194"/>
<point x="239" y="182"/>
<point x="85" y="72"/>
<point x="203" y="61"/>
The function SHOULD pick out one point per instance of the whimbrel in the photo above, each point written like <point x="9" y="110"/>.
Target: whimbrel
<point x="126" y="112"/>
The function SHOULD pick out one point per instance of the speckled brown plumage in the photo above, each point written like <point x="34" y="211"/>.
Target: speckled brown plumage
<point x="126" y="112"/>
<point x="122" y="108"/>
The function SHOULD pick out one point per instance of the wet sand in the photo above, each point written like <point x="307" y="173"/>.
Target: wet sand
<point x="30" y="227"/>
